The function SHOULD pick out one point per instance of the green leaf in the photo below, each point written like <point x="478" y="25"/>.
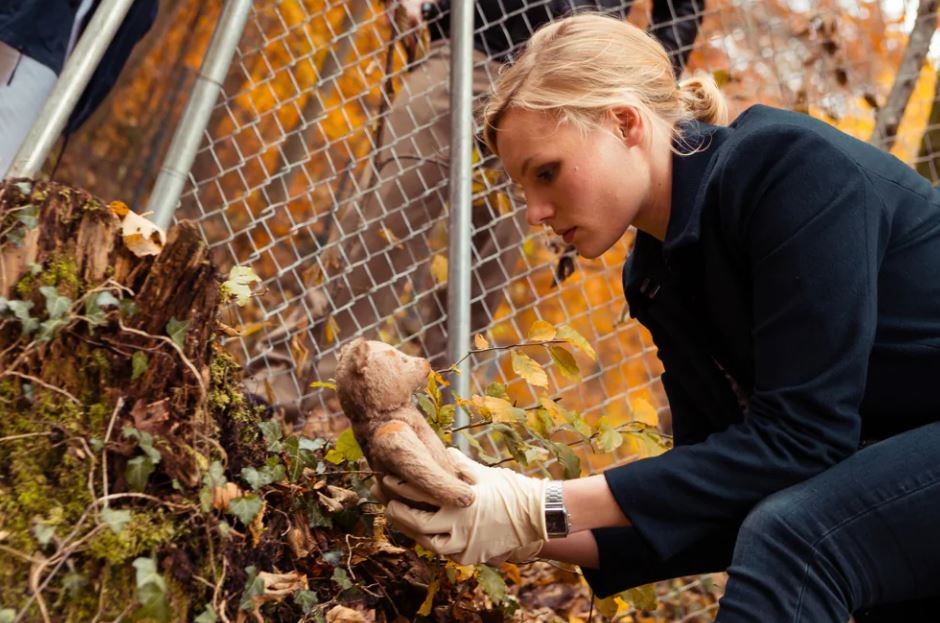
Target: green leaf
<point x="21" y="309"/>
<point x="529" y="369"/>
<point x="7" y="615"/>
<point x="116" y="519"/>
<point x="44" y="532"/>
<point x="239" y="283"/>
<point x="28" y="216"/>
<point x="139" y="364"/>
<point x="608" y="438"/>
<point x="151" y="591"/>
<point x="93" y="305"/>
<point x="257" y="478"/>
<point x="177" y="331"/>
<point x="138" y="472"/>
<point x="306" y="600"/>
<point x="492" y="582"/>
<point x="481" y="453"/>
<point x="144" y="441"/>
<point x="57" y="305"/>
<point x="565" y="362"/>
<point x="567" y="458"/>
<point x="207" y="616"/>
<point x="25" y="188"/>
<point x="346" y="449"/>
<point x="49" y="328"/>
<point x="577" y="340"/>
<point x="246" y="508"/>
<point x="272" y="434"/>
<point x="430" y="410"/>
<point x="341" y="579"/>
<point x="254" y="587"/>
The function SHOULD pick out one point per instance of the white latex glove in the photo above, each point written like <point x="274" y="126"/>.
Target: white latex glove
<point x="506" y="520"/>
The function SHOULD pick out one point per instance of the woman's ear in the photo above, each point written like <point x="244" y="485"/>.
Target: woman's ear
<point x="628" y="124"/>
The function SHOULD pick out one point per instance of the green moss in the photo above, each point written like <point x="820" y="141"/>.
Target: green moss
<point x="144" y="532"/>
<point x="24" y="287"/>
<point x="61" y="271"/>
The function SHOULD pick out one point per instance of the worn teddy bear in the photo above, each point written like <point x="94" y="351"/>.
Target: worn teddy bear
<point x="375" y="382"/>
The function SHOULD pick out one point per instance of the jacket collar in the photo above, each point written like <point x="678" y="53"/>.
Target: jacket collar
<point x="689" y="176"/>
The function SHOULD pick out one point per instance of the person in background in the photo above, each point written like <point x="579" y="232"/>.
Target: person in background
<point x="36" y="38"/>
<point x="785" y="271"/>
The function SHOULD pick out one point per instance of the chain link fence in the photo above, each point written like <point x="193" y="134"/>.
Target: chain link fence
<point x="325" y="167"/>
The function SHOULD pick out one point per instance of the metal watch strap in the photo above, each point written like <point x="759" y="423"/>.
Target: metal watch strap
<point x="556" y="515"/>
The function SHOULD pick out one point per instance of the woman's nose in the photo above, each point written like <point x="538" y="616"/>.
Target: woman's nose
<point x="538" y="211"/>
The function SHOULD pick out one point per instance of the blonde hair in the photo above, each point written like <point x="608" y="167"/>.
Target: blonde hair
<point x="580" y="67"/>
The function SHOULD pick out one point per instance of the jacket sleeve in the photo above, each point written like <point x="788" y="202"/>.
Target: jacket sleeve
<point x="801" y="209"/>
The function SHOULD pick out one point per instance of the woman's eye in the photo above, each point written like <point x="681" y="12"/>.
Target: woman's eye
<point x="546" y="174"/>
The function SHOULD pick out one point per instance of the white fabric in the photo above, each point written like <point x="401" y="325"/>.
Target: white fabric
<point x="21" y="99"/>
<point x="507" y="518"/>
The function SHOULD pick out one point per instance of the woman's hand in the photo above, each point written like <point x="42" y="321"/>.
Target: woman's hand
<point x="507" y="518"/>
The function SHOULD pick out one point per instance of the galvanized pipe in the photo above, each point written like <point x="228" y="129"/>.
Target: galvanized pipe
<point x="76" y="73"/>
<point x="179" y="159"/>
<point x="461" y="165"/>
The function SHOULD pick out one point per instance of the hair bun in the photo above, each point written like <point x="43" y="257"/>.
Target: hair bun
<point x="702" y="98"/>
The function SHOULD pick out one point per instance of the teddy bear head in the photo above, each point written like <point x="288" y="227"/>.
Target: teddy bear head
<point x="374" y="376"/>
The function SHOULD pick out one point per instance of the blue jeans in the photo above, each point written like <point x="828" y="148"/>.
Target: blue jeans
<point x="861" y="537"/>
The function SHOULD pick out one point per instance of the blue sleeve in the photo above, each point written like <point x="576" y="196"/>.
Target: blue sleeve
<point x="810" y="238"/>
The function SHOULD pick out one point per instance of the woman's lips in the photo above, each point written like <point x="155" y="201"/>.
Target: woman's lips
<point x="568" y="235"/>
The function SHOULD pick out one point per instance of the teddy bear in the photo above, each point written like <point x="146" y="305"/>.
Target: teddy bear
<point x="375" y="382"/>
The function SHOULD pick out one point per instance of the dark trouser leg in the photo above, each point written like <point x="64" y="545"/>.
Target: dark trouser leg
<point x="860" y="534"/>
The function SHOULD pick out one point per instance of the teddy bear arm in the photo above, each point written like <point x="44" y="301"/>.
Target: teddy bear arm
<point x="397" y="445"/>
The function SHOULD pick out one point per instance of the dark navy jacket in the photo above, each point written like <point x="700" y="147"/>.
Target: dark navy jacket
<point x="40" y="29"/>
<point x="795" y="302"/>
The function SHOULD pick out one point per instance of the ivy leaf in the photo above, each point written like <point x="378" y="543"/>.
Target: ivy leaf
<point x="306" y="600"/>
<point x="257" y="478"/>
<point x="272" y="434"/>
<point x="565" y="362"/>
<point x="541" y="331"/>
<point x="341" y="579"/>
<point x="139" y="364"/>
<point x="177" y="329"/>
<point x="567" y="458"/>
<point x="239" y="283"/>
<point x="254" y="587"/>
<point x="492" y="583"/>
<point x="44" y="532"/>
<point x="93" y="305"/>
<point x="151" y="592"/>
<point x="207" y="616"/>
<point x="28" y="216"/>
<point x="608" y="438"/>
<point x="57" y="305"/>
<point x="49" y="328"/>
<point x="138" y="472"/>
<point x="246" y="508"/>
<point x="428" y="602"/>
<point x="577" y="340"/>
<point x="115" y="519"/>
<point x="144" y="440"/>
<point x="346" y="449"/>
<point x="529" y="369"/>
<point x="21" y="309"/>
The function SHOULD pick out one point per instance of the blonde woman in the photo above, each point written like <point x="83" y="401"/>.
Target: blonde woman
<point x="788" y="274"/>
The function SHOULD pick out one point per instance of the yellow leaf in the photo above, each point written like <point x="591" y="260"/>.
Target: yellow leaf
<point x="428" y="602"/>
<point x="644" y="412"/>
<point x="118" y="208"/>
<point x="502" y="410"/>
<point x="541" y="331"/>
<point x="641" y="597"/>
<point x="607" y="606"/>
<point x="332" y="330"/>
<point x="323" y="384"/>
<point x="577" y="340"/>
<point x="347" y="448"/>
<point x="439" y="269"/>
<point x="389" y="236"/>
<point x="462" y="572"/>
<point x="529" y="369"/>
<point x="608" y="439"/>
<point x="565" y="362"/>
<point x="480" y="343"/>
<point x="141" y="236"/>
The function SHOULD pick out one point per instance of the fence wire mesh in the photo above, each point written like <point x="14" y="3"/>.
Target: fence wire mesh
<point x="325" y="169"/>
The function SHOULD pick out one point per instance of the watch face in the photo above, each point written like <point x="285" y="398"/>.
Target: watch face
<point x="556" y="522"/>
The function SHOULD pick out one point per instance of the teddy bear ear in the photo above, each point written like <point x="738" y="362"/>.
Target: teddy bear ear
<point x="357" y="352"/>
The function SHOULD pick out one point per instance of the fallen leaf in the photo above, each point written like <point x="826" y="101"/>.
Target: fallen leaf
<point x="342" y="614"/>
<point x="141" y="236"/>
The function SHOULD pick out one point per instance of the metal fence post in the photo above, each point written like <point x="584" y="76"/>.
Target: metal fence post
<point x="461" y="164"/>
<point x="76" y="73"/>
<point x="179" y="158"/>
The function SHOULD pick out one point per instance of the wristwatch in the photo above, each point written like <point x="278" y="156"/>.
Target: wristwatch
<point x="556" y="515"/>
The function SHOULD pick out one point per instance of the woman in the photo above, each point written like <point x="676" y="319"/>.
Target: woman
<point x="787" y="274"/>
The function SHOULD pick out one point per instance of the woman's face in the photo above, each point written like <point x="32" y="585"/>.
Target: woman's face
<point x="587" y="186"/>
